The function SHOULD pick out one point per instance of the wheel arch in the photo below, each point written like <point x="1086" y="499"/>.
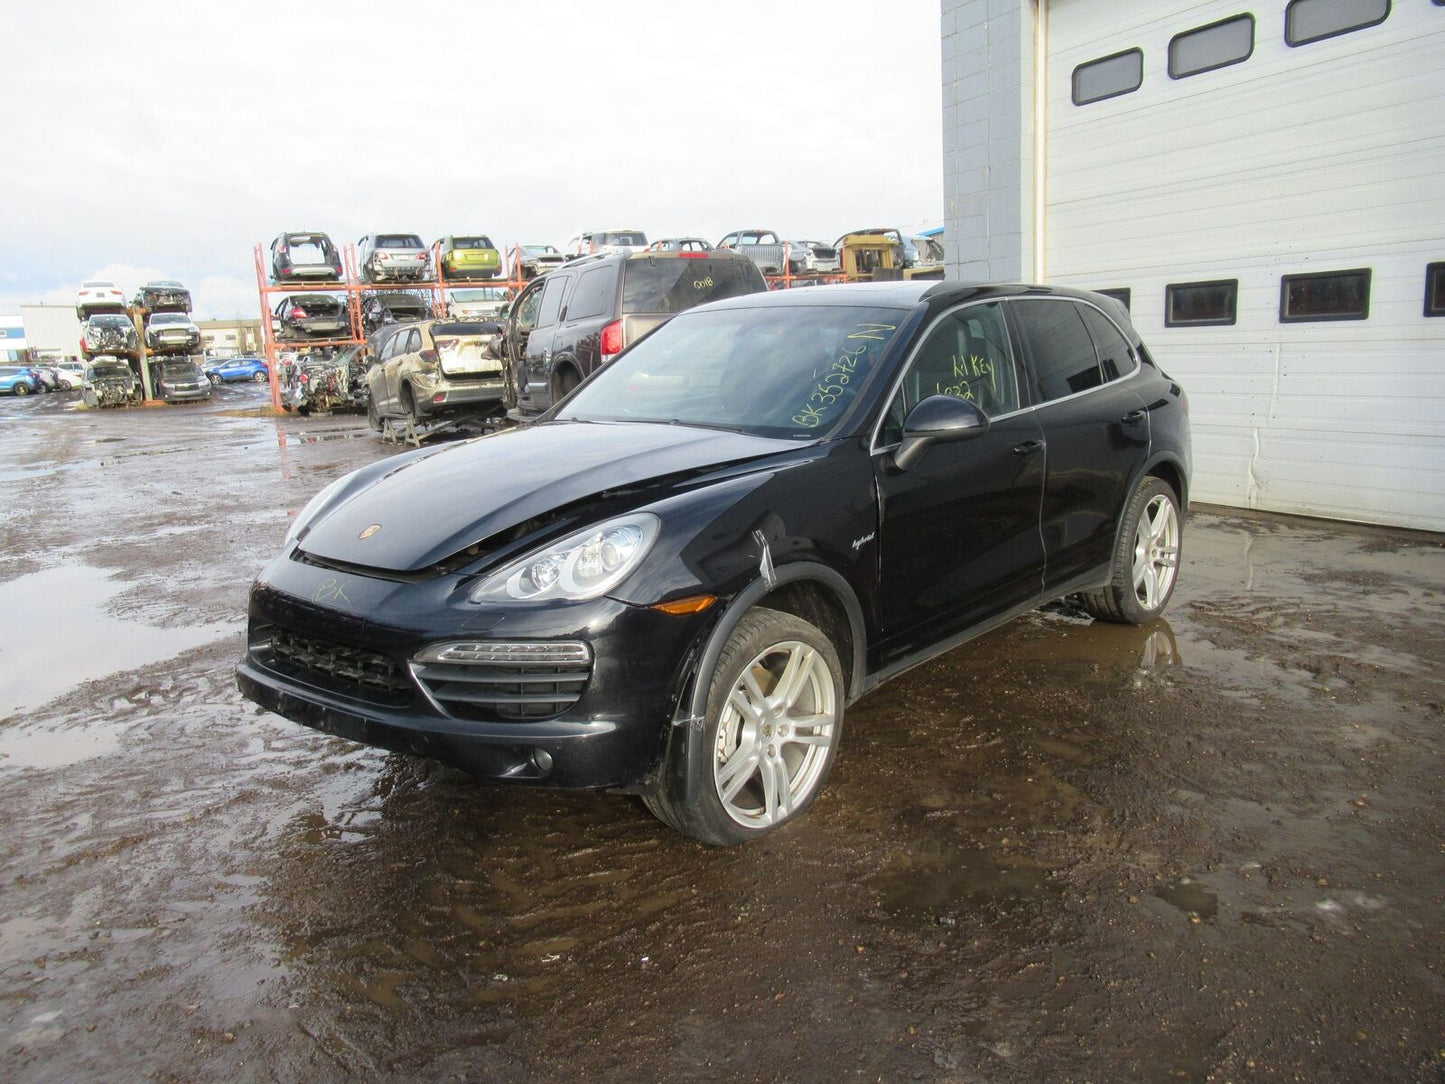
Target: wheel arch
<point x="812" y="591"/>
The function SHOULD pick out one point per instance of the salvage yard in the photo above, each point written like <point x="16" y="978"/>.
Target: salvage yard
<point x="1209" y="848"/>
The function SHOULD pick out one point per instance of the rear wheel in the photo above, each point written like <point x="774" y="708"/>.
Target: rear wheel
<point x="1146" y="558"/>
<point x="215" y="380"/>
<point x="774" y="719"/>
<point x="563" y="383"/>
<point x="22" y="389"/>
<point x="259" y="378"/>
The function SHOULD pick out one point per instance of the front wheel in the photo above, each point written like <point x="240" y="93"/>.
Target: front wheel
<point x="22" y="389"/>
<point x="215" y="380"/>
<point x="774" y="719"/>
<point x="1146" y="558"/>
<point x="259" y="378"/>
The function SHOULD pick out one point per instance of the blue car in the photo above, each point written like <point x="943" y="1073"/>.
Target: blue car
<point x="233" y="369"/>
<point x="18" y="380"/>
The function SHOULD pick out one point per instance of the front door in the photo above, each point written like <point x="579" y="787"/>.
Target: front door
<point x="959" y="531"/>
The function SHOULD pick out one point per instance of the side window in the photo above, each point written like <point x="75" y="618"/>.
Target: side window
<point x="1059" y="348"/>
<point x="528" y="307"/>
<point x="1114" y="356"/>
<point x="596" y="291"/>
<point x="413" y="341"/>
<point x="966" y="354"/>
<point x="552" y="299"/>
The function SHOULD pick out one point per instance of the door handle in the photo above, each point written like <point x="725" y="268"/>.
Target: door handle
<point x="1027" y="448"/>
<point x="1133" y="416"/>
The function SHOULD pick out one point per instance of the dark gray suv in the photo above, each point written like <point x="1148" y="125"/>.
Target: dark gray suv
<point x="575" y="319"/>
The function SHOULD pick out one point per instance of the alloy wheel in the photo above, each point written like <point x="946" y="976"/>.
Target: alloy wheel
<point x="1156" y="551"/>
<point x="773" y="739"/>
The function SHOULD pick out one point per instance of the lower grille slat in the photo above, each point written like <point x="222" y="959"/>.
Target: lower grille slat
<point x="352" y="671"/>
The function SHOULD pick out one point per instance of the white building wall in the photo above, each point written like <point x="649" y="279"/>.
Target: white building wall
<point x="52" y="329"/>
<point x="1322" y="157"/>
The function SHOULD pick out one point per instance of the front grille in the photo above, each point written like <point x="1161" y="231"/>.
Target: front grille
<point x="507" y="682"/>
<point x="353" y="671"/>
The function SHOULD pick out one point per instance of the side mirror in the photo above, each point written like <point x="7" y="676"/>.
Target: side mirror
<point x="939" y="419"/>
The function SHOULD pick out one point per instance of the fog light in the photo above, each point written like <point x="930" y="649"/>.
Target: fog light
<point x="543" y="760"/>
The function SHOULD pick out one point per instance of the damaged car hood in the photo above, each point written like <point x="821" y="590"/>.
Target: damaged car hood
<point x="431" y="508"/>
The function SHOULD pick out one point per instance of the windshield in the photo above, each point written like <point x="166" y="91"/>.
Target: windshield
<point x="472" y="242"/>
<point x="108" y="369"/>
<point x="541" y="250"/>
<point x="776" y="371"/>
<point x="169" y="318"/>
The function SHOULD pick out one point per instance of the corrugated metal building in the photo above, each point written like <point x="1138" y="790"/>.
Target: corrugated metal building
<point x="52" y="330"/>
<point x="1261" y="183"/>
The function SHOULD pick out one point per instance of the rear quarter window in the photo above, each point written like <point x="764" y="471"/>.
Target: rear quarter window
<point x="675" y="285"/>
<point x="595" y="293"/>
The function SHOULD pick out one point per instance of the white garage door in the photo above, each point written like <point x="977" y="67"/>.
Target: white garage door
<point x="1314" y="159"/>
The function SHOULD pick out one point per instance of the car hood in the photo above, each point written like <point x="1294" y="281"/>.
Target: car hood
<point x="434" y="507"/>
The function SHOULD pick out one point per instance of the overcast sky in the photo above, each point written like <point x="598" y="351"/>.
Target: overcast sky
<point x="164" y="140"/>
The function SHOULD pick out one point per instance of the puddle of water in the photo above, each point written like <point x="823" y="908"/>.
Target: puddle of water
<point x="55" y="634"/>
<point x="54" y="749"/>
<point x="1189" y="897"/>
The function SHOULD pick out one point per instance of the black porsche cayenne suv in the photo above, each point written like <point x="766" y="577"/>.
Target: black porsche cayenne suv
<point x="674" y="583"/>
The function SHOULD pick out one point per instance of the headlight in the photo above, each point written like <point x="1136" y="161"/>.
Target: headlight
<point x="581" y="566"/>
<point x="314" y="505"/>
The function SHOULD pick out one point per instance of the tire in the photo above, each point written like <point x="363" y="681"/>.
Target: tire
<point x="215" y="380"/>
<point x="1146" y="558"/>
<point x="259" y="378"/>
<point x="774" y="716"/>
<point x="373" y="419"/>
<point x="22" y="389"/>
<point x="408" y="403"/>
<point x="563" y="383"/>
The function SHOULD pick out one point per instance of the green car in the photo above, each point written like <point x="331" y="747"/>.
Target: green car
<point x="471" y="257"/>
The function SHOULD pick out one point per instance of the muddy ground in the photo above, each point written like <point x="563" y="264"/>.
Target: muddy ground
<point x="1206" y="850"/>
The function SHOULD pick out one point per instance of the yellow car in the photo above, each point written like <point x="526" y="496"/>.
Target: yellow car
<point x="469" y="257"/>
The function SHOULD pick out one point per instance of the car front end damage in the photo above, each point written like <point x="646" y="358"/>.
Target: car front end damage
<point x="323" y="385"/>
<point x="575" y="695"/>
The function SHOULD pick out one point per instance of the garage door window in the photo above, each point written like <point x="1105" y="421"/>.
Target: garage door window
<point x="1218" y="45"/>
<point x="1060" y="350"/>
<point x="1328" y="295"/>
<point x="1314" y="20"/>
<point x="1435" y="280"/>
<point x="1108" y="77"/>
<point x="1196" y="304"/>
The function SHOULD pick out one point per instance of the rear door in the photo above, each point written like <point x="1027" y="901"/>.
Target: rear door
<point x="1096" y="432"/>
<point x="579" y="333"/>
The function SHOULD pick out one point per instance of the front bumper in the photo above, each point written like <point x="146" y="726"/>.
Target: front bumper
<point x="186" y="394"/>
<point x="354" y="674"/>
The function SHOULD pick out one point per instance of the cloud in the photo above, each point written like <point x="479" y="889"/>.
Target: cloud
<point x="527" y="121"/>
